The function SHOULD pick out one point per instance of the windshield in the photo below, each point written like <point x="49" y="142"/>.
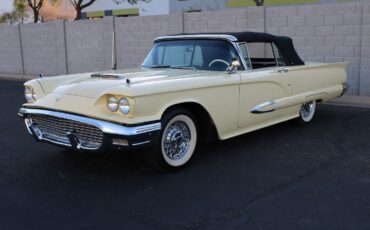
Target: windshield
<point x="215" y="55"/>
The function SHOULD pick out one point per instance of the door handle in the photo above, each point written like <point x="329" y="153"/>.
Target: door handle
<point x="285" y="70"/>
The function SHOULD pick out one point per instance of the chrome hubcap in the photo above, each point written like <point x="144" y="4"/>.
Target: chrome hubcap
<point x="177" y="140"/>
<point x="306" y="109"/>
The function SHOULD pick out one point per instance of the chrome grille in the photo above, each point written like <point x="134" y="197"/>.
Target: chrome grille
<point x="56" y="129"/>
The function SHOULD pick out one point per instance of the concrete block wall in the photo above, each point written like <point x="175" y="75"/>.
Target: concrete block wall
<point x="230" y="20"/>
<point x="364" y="69"/>
<point x="134" y="36"/>
<point x="89" y="45"/>
<point x="10" y="50"/>
<point x="43" y="48"/>
<point x="323" y="32"/>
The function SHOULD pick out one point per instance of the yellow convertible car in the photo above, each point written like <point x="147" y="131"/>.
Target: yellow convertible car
<point x="190" y="88"/>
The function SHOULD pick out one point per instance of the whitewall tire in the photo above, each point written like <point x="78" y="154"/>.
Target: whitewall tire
<point x="177" y="141"/>
<point x="307" y="112"/>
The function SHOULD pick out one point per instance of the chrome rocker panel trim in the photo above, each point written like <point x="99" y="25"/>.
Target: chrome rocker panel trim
<point x="104" y="126"/>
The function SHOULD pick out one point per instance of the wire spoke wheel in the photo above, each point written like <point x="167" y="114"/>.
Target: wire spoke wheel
<point x="308" y="111"/>
<point x="178" y="140"/>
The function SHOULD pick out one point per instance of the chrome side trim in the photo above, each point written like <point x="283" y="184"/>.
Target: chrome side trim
<point x="265" y="107"/>
<point x="195" y="36"/>
<point x="105" y="126"/>
<point x="141" y="143"/>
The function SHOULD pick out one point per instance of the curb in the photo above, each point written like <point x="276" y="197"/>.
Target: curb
<point x="351" y="101"/>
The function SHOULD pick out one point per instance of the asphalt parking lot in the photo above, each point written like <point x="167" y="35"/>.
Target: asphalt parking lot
<point x="281" y="177"/>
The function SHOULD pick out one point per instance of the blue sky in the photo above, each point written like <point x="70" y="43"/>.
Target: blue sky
<point x="5" y="5"/>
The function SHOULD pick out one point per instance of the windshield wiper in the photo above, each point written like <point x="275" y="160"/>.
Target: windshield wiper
<point x="183" y="67"/>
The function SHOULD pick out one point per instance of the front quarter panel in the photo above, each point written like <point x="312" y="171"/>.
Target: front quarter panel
<point x="220" y="102"/>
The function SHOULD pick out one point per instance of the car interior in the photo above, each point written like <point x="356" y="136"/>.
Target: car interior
<point x="263" y="55"/>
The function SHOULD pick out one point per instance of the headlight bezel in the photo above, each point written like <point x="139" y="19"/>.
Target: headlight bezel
<point x="124" y="105"/>
<point x="29" y="94"/>
<point x="112" y="103"/>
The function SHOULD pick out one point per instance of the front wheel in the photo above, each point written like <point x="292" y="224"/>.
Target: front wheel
<point x="177" y="141"/>
<point x="307" y="112"/>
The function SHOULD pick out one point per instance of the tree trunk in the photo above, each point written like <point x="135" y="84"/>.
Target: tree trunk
<point x="78" y="14"/>
<point x="259" y="2"/>
<point x="35" y="16"/>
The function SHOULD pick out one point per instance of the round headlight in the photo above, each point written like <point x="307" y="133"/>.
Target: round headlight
<point x="112" y="103"/>
<point x="124" y="105"/>
<point x="29" y="94"/>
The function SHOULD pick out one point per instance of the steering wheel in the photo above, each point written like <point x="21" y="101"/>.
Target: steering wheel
<point x="218" y="60"/>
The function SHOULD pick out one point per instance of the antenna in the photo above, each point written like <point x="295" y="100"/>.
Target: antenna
<point x="114" y="60"/>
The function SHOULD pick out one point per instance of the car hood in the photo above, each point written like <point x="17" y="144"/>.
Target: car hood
<point x="93" y="85"/>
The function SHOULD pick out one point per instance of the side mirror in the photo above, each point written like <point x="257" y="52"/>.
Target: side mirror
<point x="234" y="66"/>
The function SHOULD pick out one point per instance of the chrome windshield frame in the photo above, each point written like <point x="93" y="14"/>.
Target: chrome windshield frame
<point x="229" y="38"/>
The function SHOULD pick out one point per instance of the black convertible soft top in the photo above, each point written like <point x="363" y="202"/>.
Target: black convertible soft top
<point x="285" y="44"/>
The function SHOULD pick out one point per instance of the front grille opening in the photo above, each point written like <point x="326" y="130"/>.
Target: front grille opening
<point x="56" y="129"/>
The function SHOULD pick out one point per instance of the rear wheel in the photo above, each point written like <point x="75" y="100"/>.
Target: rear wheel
<point x="307" y="112"/>
<point x="177" y="141"/>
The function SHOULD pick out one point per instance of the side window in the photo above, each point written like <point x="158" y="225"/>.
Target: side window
<point x="279" y="58"/>
<point x="263" y="55"/>
<point x="244" y="53"/>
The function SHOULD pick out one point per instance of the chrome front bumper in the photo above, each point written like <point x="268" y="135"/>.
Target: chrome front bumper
<point x="73" y="131"/>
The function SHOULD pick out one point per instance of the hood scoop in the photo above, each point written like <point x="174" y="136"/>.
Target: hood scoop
<point x="111" y="76"/>
<point x="108" y="76"/>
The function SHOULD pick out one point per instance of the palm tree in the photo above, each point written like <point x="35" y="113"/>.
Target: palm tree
<point x="20" y="9"/>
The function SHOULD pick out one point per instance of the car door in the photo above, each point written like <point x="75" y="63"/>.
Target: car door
<point x="260" y="88"/>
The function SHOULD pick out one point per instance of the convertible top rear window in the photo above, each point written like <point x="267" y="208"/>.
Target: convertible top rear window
<point x="202" y="54"/>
